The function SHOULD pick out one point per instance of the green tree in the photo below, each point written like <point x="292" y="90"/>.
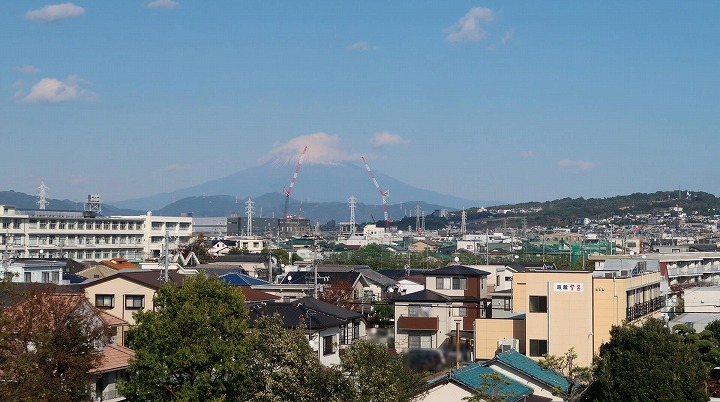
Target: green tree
<point x="377" y="376"/>
<point x="491" y="389"/>
<point x="287" y="369"/>
<point x="648" y="363"/>
<point x="714" y="327"/>
<point x="49" y="343"/>
<point x="578" y="377"/>
<point x="193" y="346"/>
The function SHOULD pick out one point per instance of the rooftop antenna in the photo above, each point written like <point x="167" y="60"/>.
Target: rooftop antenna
<point x="42" y="201"/>
<point x="92" y="206"/>
<point x="249" y="209"/>
<point x="383" y="194"/>
<point x="351" y="203"/>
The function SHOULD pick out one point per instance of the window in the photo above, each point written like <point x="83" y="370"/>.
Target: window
<point x="104" y="300"/>
<point x="419" y="311"/>
<point x="506" y="304"/>
<point x="538" y="304"/>
<point x="328" y="345"/>
<point x="56" y="277"/>
<point x="420" y="341"/>
<point x="460" y="311"/>
<point x="451" y="283"/>
<point x="27" y="277"/>
<point x="349" y="333"/>
<point x="46" y="277"/>
<point x="538" y="347"/>
<point x="134" y="301"/>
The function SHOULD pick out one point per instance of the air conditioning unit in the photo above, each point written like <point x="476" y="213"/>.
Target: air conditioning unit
<point x="508" y="344"/>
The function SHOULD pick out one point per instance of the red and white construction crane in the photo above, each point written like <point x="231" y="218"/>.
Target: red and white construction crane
<point x="288" y="190"/>
<point x="383" y="194"/>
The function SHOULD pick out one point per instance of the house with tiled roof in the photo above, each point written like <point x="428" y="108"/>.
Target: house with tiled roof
<point x="454" y="296"/>
<point x="118" y="263"/>
<point x="467" y="380"/>
<point x="525" y="370"/>
<point x="126" y="292"/>
<point x="329" y="328"/>
<point x="114" y="358"/>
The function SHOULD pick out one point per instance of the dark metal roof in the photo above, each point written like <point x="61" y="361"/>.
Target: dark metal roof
<point x="423" y="296"/>
<point x="457" y="270"/>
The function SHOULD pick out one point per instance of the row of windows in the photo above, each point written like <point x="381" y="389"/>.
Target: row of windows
<point x="47" y="277"/>
<point x="451" y="283"/>
<point x="82" y="225"/>
<point x="425" y="310"/>
<point x="131" y="301"/>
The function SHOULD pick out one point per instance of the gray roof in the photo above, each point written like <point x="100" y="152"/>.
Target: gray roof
<point x="456" y="270"/>
<point x="369" y="273"/>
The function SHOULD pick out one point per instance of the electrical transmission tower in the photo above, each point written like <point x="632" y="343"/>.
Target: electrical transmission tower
<point x="249" y="209"/>
<point x="417" y="218"/>
<point x="42" y="201"/>
<point x="463" y="222"/>
<point x="352" y="204"/>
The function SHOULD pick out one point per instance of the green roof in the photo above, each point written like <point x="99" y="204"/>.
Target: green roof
<point x="531" y="368"/>
<point x="475" y="376"/>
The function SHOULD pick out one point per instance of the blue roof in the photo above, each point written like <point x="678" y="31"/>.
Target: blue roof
<point x="238" y="279"/>
<point x="531" y="368"/>
<point x="475" y="376"/>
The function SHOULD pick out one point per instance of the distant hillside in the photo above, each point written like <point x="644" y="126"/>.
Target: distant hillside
<point x="25" y="201"/>
<point x="315" y="183"/>
<point x="272" y="205"/>
<point x="562" y="212"/>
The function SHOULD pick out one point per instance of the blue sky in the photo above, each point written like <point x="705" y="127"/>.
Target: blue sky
<point x="512" y="101"/>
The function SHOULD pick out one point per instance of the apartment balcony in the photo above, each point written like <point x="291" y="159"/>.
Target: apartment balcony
<point x="642" y="309"/>
<point x="687" y="271"/>
<point x="418" y="323"/>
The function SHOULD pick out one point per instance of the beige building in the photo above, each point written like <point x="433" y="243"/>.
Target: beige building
<point x="125" y="293"/>
<point x="556" y="310"/>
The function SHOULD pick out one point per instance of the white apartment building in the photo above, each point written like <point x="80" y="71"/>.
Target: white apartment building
<point x="71" y="234"/>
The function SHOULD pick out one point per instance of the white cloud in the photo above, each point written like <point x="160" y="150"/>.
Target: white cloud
<point x="361" y="46"/>
<point x="55" y="12"/>
<point x="51" y="90"/>
<point x="468" y="28"/>
<point x="508" y="35"/>
<point x="575" y="166"/>
<point x="27" y="69"/>
<point x="387" y="138"/>
<point x="323" y="149"/>
<point x="169" y="4"/>
<point x="492" y="47"/>
<point x="528" y="154"/>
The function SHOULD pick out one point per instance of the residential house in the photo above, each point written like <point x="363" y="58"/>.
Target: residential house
<point x="34" y="270"/>
<point x="329" y="328"/>
<point x="464" y="382"/>
<point x="125" y="293"/>
<point x="453" y="298"/>
<point x="114" y="358"/>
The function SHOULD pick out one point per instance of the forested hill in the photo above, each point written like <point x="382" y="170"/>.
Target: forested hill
<point x="565" y="210"/>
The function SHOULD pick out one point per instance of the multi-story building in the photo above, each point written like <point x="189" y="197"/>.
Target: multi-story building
<point x="557" y="310"/>
<point x="73" y="234"/>
<point x="453" y="298"/>
<point x="687" y="268"/>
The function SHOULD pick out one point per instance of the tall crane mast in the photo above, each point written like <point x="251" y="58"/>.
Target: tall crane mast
<point x="288" y="190"/>
<point x="383" y="194"/>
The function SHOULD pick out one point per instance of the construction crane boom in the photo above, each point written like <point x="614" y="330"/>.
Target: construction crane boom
<point x="288" y="190"/>
<point x="383" y="194"/>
